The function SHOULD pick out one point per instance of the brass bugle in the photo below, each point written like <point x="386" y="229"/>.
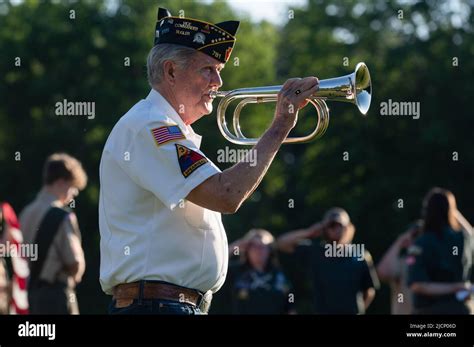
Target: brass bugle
<point x="355" y="88"/>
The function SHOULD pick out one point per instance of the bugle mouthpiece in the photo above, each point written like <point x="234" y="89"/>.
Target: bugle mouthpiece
<point x="214" y="94"/>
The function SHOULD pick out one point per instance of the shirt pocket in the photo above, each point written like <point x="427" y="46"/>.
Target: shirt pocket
<point x="198" y="217"/>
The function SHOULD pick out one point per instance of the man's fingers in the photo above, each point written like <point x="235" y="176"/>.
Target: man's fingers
<point x="288" y="84"/>
<point x="302" y="88"/>
<point x="302" y="98"/>
<point x="309" y="84"/>
<point x="308" y="92"/>
<point x="295" y="92"/>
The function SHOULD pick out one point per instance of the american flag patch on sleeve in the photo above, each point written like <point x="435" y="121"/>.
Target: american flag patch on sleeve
<point x="166" y="134"/>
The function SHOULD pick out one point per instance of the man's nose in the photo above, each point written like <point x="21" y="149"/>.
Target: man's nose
<point x="216" y="80"/>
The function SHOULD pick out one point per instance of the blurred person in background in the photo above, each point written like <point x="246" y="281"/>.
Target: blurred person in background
<point x="343" y="275"/>
<point x="258" y="285"/>
<point x="440" y="260"/>
<point x="393" y="269"/>
<point x="48" y="223"/>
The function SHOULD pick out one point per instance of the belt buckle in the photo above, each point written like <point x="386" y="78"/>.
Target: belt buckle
<point x="204" y="301"/>
<point x="200" y="299"/>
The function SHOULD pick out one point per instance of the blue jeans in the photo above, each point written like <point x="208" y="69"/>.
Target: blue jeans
<point x="155" y="306"/>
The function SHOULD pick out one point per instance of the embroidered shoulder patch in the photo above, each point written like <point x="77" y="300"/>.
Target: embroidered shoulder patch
<point x="189" y="160"/>
<point x="166" y="134"/>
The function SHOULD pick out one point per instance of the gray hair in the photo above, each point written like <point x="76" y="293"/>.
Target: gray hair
<point x="181" y="55"/>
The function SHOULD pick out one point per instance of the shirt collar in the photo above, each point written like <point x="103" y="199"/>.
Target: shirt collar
<point x="159" y="100"/>
<point x="48" y="199"/>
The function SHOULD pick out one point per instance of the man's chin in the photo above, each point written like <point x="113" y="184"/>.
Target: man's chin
<point x="204" y="111"/>
<point x="207" y="109"/>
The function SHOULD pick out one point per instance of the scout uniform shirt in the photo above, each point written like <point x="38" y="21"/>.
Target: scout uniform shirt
<point x="66" y="249"/>
<point x="150" y="163"/>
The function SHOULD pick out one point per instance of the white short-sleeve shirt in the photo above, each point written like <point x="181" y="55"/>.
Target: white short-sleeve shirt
<point x="150" y="163"/>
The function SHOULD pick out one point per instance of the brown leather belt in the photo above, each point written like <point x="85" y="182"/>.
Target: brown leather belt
<point x="125" y="293"/>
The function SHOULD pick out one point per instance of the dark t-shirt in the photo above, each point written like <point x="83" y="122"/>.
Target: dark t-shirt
<point x="255" y="292"/>
<point x="446" y="258"/>
<point x="338" y="282"/>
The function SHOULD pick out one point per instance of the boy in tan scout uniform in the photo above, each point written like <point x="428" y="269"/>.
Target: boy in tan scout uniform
<point x="46" y="222"/>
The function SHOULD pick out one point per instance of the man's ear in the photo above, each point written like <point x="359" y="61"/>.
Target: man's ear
<point x="169" y="70"/>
